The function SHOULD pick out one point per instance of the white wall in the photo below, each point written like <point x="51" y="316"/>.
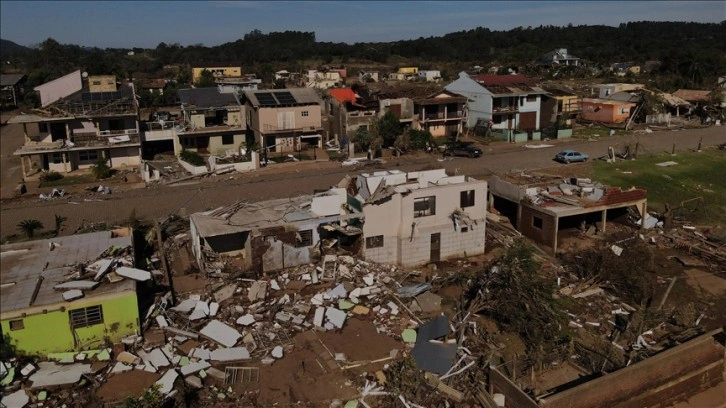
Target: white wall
<point x="59" y="88"/>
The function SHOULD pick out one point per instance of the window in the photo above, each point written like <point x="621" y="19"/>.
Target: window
<point x="227" y="139"/>
<point x="57" y="158"/>
<point x="537" y="222"/>
<point x="424" y="206"/>
<point x="374" y="242"/>
<point x="88" y="155"/>
<point x="497" y="119"/>
<point x="531" y="98"/>
<point x="87" y="316"/>
<point x="464" y="229"/>
<point x="304" y="238"/>
<point x="466" y="198"/>
<point x="17" y="324"/>
<point x="305" y="113"/>
<point x="43" y="127"/>
<point x="96" y="82"/>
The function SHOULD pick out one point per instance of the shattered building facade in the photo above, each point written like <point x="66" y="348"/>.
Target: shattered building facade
<point x="81" y="120"/>
<point x="420" y="217"/>
<point x="273" y="235"/>
<point x="539" y="209"/>
<point x="55" y="298"/>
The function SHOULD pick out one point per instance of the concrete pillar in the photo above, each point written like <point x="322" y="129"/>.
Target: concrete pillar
<point x="25" y="132"/>
<point x="68" y="132"/>
<point x="490" y="201"/>
<point x="98" y="128"/>
<point x="65" y="161"/>
<point x="519" y="217"/>
<point x="22" y="166"/>
<point x="554" y="238"/>
<point x="604" y="219"/>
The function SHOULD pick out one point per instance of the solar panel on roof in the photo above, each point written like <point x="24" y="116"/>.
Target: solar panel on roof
<point x="266" y="99"/>
<point x="285" y="98"/>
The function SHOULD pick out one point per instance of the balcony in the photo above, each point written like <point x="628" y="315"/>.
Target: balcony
<point x="499" y="110"/>
<point x="444" y="116"/>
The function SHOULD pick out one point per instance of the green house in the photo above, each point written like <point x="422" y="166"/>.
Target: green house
<point x="34" y="314"/>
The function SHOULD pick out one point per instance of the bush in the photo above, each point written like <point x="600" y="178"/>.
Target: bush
<point x="49" y="176"/>
<point x="101" y="169"/>
<point x="192" y="158"/>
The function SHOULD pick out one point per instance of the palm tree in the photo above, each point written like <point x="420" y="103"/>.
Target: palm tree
<point x="30" y="226"/>
<point x="59" y="223"/>
<point x="101" y="169"/>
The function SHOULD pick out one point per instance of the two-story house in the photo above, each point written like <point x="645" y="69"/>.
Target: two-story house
<point x="348" y="111"/>
<point x="218" y="69"/>
<point x="284" y="120"/>
<point x="404" y="74"/>
<point x="82" y="119"/>
<point x="324" y="79"/>
<point x="510" y="102"/>
<point x="420" y="217"/>
<point x="441" y="113"/>
<point x="237" y="85"/>
<point x="559" y="106"/>
<point x="212" y="122"/>
<point x="560" y="57"/>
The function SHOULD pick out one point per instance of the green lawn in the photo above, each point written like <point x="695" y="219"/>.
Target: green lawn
<point x="695" y="175"/>
<point x="596" y="131"/>
<point x="69" y="180"/>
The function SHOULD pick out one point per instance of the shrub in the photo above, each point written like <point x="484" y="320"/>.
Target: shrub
<point x="49" y="176"/>
<point x="101" y="169"/>
<point x="192" y="158"/>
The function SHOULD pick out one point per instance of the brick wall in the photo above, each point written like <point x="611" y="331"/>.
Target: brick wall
<point x="545" y="234"/>
<point x="616" y="196"/>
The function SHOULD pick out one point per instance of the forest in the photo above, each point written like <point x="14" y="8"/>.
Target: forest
<point x="690" y="54"/>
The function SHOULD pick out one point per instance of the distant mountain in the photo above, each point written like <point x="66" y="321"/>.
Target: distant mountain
<point x="8" y="47"/>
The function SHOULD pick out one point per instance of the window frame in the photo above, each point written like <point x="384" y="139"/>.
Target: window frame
<point x="376" y="241"/>
<point x="306" y="238"/>
<point x="537" y="220"/>
<point x="227" y="140"/>
<point x="429" y="202"/>
<point x="467" y="198"/>
<point x="305" y="114"/>
<point x="13" y="324"/>
<point x="87" y="154"/>
<point x="85" y="316"/>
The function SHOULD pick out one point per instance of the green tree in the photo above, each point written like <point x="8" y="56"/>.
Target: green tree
<point x="29" y="227"/>
<point x="389" y="128"/>
<point x="101" y="169"/>
<point x="59" y="223"/>
<point x="206" y="80"/>
<point x="362" y="139"/>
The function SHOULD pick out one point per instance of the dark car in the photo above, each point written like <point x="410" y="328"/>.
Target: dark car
<point x="571" y="156"/>
<point x="462" y="149"/>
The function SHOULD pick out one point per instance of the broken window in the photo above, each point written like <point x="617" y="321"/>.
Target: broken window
<point x="537" y="222"/>
<point x="43" y="128"/>
<point x="17" y="324"/>
<point x="87" y="316"/>
<point x="424" y="206"/>
<point x="88" y="155"/>
<point x="227" y="139"/>
<point x="374" y="242"/>
<point x="57" y="158"/>
<point x="304" y="238"/>
<point x="466" y="199"/>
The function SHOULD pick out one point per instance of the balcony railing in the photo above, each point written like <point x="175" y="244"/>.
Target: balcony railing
<point x="442" y="115"/>
<point x="505" y="109"/>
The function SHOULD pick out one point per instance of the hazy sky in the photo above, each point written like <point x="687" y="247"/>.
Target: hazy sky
<point x="126" y="24"/>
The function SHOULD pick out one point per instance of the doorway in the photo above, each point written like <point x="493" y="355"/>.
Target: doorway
<point x="436" y="247"/>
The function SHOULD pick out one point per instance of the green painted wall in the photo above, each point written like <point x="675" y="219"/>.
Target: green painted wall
<point x="51" y="332"/>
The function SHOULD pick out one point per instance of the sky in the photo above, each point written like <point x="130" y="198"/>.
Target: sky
<point x="128" y="24"/>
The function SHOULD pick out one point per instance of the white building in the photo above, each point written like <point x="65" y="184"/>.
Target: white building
<point x="430" y="75"/>
<point x="420" y="217"/>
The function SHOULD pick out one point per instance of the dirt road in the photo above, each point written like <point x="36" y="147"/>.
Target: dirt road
<point x="293" y="179"/>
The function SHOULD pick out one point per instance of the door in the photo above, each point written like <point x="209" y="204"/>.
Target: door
<point x="528" y="121"/>
<point x="436" y="247"/>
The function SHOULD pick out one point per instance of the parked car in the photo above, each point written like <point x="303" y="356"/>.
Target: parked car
<point x="571" y="156"/>
<point x="462" y="149"/>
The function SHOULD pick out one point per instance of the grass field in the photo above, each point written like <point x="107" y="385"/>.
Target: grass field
<point x="694" y="188"/>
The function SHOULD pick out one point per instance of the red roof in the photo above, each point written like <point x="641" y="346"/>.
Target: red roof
<point x="692" y="95"/>
<point x="503" y="80"/>
<point x="343" y="94"/>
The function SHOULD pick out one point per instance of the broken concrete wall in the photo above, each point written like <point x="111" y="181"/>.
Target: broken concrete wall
<point x="453" y="243"/>
<point x="658" y="381"/>
<point x="529" y="226"/>
<point x="383" y="220"/>
<point x="504" y="189"/>
<point x="515" y="397"/>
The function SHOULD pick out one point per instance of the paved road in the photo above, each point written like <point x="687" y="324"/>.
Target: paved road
<point x="293" y="179"/>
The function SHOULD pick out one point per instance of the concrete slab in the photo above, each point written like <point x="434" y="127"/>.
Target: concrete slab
<point x="72" y="295"/>
<point x="335" y="317"/>
<point x="166" y="382"/>
<point x="161" y="321"/>
<point x="201" y="310"/>
<point x="246" y="320"/>
<point x="277" y="352"/>
<point x="81" y="285"/>
<point x="258" y="291"/>
<point x="200" y="353"/>
<point x="319" y="316"/>
<point x="133" y="273"/>
<point x="18" y="399"/>
<point x="194" y="368"/>
<point x="50" y="374"/>
<point x="225" y="293"/>
<point x="221" y="333"/>
<point x="101" y="267"/>
<point x="230" y="354"/>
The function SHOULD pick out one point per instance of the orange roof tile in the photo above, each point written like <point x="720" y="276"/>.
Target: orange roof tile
<point x="343" y="94"/>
